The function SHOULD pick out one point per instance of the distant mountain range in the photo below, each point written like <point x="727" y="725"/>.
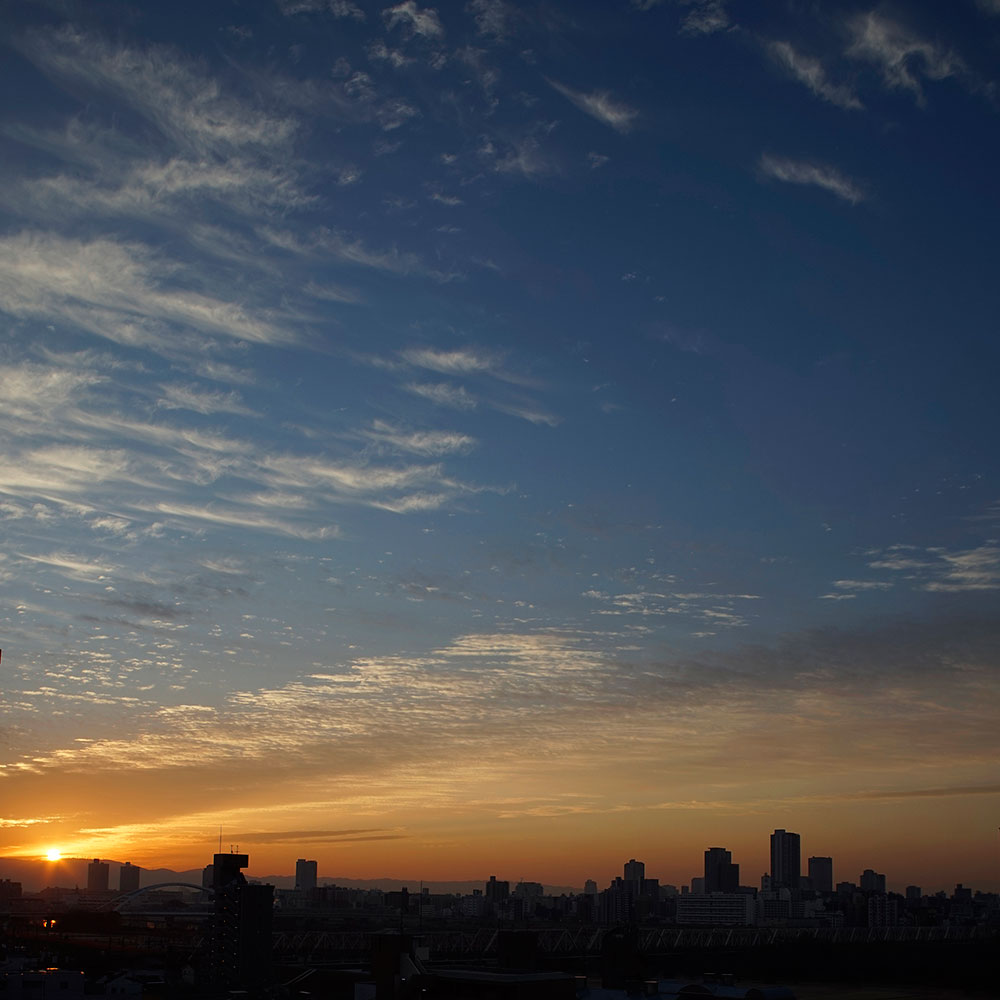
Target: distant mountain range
<point x="70" y="872"/>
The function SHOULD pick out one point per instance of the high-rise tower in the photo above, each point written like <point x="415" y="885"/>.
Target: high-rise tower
<point x="821" y="874"/>
<point x="635" y="871"/>
<point x="305" y="874"/>
<point x="721" y="875"/>
<point x="128" y="877"/>
<point x="786" y="865"/>
<point x="97" y="876"/>
<point x="242" y="918"/>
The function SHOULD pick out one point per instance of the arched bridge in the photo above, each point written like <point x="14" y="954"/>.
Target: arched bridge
<point x="119" y="901"/>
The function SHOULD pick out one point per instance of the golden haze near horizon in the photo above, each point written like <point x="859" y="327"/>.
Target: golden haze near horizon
<point x="447" y="829"/>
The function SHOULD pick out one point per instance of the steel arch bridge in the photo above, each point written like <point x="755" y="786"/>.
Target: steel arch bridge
<point x="119" y="901"/>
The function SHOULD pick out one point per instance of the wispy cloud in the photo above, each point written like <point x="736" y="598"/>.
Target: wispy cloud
<point x="697" y="715"/>
<point x="464" y="361"/>
<point x="349" y="250"/>
<point x="943" y="570"/>
<point x="33" y="393"/>
<point x="972" y="569"/>
<point x="234" y="516"/>
<point x="338" y="8"/>
<point x="380" y="52"/>
<point x="523" y="156"/>
<point x="63" y="471"/>
<point x="486" y="74"/>
<point x="810" y="71"/>
<point x="701" y="17"/>
<point x="707" y="612"/>
<point x="159" y="190"/>
<point x="601" y="105"/>
<point x="115" y="290"/>
<point x="443" y="394"/>
<point x="902" y="56"/>
<point x="188" y="397"/>
<point x="171" y="92"/>
<point x="862" y="584"/>
<point x="494" y="18"/>
<point x="812" y="174"/>
<point x="332" y="292"/>
<point x="527" y="411"/>
<point x="428" y="443"/>
<point x="930" y="793"/>
<point x="316" y="836"/>
<point x="704" y="17"/>
<point x="8" y="823"/>
<point x="472" y="362"/>
<point x="74" y="566"/>
<point x="420" y="21"/>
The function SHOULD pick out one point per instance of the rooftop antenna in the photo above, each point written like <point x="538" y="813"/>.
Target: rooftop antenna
<point x="220" y="838"/>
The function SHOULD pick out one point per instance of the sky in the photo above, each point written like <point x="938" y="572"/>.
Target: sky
<point x="501" y="438"/>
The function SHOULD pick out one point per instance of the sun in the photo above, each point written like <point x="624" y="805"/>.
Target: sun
<point x="53" y="854"/>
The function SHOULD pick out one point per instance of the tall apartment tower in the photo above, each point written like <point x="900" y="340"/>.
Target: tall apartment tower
<point x="240" y="931"/>
<point x="721" y="875"/>
<point x="305" y="874"/>
<point x="871" y="881"/>
<point x="97" y="876"/>
<point x="635" y="871"/>
<point x="786" y="865"/>
<point x="821" y="874"/>
<point x="128" y="877"/>
<point x="497" y="890"/>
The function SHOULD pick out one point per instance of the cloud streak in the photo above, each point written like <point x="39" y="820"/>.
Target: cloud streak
<point x="600" y="105"/>
<point x="819" y="175"/>
<point x="810" y="71"/>
<point x="175" y="95"/>
<point x="112" y="289"/>
<point x="902" y="56"/>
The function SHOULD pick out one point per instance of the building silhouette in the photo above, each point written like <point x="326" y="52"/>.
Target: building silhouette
<point x="871" y="881"/>
<point x="242" y="921"/>
<point x="785" y="860"/>
<point x="97" y="876"/>
<point x="635" y="871"/>
<point x="716" y="909"/>
<point x="821" y="874"/>
<point x="128" y="877"/>
<point x="497" y="891"/>
<point x="305" y="874"/>
<point x="721" y="875"/>
<point x="497" y="894"/>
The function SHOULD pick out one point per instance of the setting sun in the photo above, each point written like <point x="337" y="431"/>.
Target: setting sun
<point x="53" y="854"/>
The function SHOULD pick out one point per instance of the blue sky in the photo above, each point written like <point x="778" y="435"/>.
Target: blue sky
<point x="505" y="376"/>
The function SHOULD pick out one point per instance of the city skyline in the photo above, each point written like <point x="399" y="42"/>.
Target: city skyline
<point x="306" y="873"/>
<point x="501" y="437"/>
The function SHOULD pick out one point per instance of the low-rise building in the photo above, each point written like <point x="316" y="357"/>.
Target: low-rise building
<point x="716" y="909"/>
